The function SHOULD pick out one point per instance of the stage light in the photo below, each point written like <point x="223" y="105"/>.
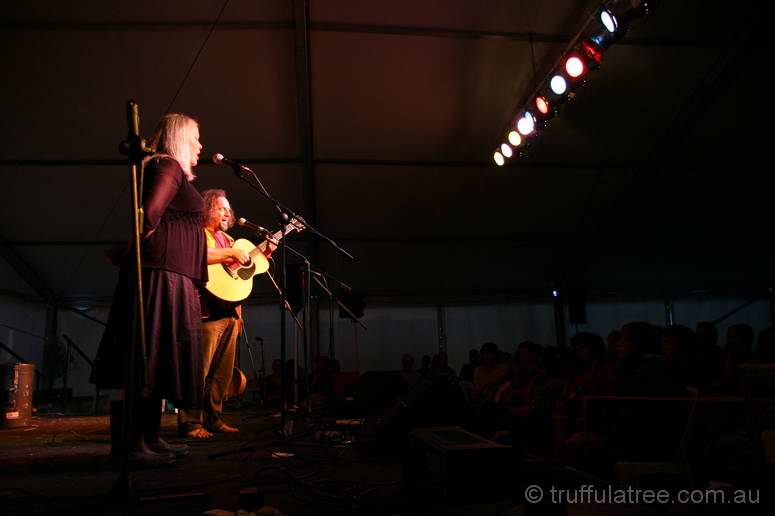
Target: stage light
<point x="616" y="20"/>
<point x="608" y="20"/>
<point x="526" y="124"/>
<point x="542" y="105"/>
<point x="610" y="23"/>
<point x="558" y="84"/>
<point x="592" y="53"/>
<point x="574" y="66"/>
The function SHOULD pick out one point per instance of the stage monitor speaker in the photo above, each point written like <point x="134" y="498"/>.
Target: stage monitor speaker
<point x="457" y="467"/>
<point x="465" y="467"/>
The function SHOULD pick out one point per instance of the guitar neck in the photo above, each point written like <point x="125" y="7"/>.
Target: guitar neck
<point x="276" y="236"/>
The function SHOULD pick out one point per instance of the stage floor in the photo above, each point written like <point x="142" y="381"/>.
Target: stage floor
<point x="60" y="465"/>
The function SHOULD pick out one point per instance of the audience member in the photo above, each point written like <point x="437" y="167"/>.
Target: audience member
<point x="407" y="369"/>
<point x="467" y="371"/>
<point x="765" y="347"/>
<point x="739" y="349"/>
<point x="709" y="358"/>
<point x="490" y="375"/>
<point x="425" y="365"/>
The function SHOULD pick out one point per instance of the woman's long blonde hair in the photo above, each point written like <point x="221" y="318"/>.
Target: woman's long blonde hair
<point x="173" y="137"/>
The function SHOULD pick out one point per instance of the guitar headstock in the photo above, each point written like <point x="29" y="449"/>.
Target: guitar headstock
<point x="295" y="224"/>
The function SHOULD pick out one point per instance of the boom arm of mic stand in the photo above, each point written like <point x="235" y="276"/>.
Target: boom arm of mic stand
<point x="324" y="274"/>
<point x="315" y="272"/>
<point x="287" y="304"/>
<point x="241" y="174"/>
<point x="342" y="306"/>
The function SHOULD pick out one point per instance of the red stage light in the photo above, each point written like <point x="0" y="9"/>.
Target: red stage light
<point x="593" y="53"/>
<point x="542" y="105"/>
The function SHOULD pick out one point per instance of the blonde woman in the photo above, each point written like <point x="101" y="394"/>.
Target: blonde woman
<point x="174" y="264"/>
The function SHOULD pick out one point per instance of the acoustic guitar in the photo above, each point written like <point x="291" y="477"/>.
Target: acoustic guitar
<point x="233" y="282"/>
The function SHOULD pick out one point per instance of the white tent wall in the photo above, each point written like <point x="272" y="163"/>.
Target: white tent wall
<point x="395" y="330"/>
<point x="27" y="317"/>
<point x="688" y="312"/>
<point x="392" y="330"/>
<point x="86" y="334"/>
<point x="468" y="327"/>
<point x="605" y="316"/>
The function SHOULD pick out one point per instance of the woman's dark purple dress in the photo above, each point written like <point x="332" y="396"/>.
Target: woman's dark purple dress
<point x="174" y="265"/>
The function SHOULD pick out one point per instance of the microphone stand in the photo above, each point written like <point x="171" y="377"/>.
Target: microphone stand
<point x="331" y="299"/>
<point x="289" y="309"/>
<point x="306" y="289"/>
<point x="284" y="214"/>
<point x="256" y="375"/>
<point x="135" y="150"/>
<point x="262" y="373"/>
<point x="312" y="273"/>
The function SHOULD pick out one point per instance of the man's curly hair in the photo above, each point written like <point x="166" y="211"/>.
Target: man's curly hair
<point x="211" y="197"/>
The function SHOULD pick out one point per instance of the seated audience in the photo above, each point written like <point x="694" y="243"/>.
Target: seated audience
<point x="489" y="376"/>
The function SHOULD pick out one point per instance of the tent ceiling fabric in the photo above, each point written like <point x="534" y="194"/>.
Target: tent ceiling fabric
<point x="409" y="99"/>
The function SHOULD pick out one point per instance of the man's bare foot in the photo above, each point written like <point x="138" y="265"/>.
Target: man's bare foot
<point x="226" y="429"/>
<point x="199" y="433"/>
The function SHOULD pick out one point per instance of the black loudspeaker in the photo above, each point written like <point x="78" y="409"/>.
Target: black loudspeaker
<point x="353" y="300"/>
<point x="465" y="467"/>
<point x="577" y="307"/>
<point x="451" y="467"/>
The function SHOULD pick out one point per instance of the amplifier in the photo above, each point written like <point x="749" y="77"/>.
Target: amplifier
<point x="466" y="467"/>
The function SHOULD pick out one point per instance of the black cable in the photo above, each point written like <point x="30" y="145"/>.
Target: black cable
<point x="335" y="493"/>
<point x="228" y="480"/>
<point x="190" y="68"/>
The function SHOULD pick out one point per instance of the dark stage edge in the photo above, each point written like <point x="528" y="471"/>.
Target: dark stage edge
<point x="59" y="465"/>
<point x="67" y="456"/>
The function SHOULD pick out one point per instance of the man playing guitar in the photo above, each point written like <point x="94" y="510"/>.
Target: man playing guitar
<point x="220" y="326"/>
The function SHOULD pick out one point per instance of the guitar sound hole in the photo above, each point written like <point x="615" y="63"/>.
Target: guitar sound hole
<point x="246" y="272"/>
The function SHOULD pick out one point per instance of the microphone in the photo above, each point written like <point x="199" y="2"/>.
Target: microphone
<point x="253" y="227"/>
<point x="220" y="159"/>
<point x="259" y="230"/>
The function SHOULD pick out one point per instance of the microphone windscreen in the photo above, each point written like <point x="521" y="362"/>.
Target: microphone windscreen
<point x="217" y="158"/>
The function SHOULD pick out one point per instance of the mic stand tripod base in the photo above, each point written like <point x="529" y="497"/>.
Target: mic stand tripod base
<point x="284" y="435"/>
